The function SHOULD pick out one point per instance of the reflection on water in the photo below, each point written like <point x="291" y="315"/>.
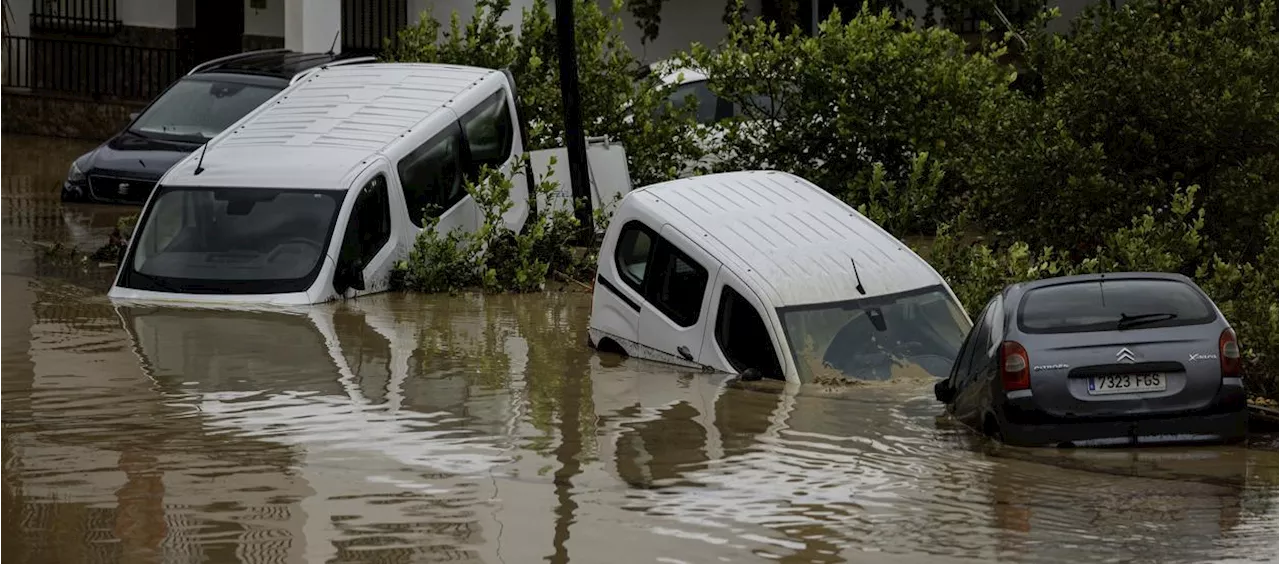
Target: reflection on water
<point x="403" y="428"/>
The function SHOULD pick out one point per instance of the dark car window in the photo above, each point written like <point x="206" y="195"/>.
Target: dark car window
<point x="743" y="337"/>
<point x="973" y="346"/>
<point x="197" y="108"/>
<point x="701" y="95"/>
<point x="232" y="240"/>
<point x="1100" y="305"/>
<point x="369" y="227"/>
<point x="432" y="175"/>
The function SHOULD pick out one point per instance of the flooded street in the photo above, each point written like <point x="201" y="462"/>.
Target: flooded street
<point x="408" y="428"/>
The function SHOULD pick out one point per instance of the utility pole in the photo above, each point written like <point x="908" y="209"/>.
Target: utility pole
<point x="576" y="143"/>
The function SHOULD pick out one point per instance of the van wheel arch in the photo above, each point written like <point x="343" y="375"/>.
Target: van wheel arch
<point x="607" y="345"/>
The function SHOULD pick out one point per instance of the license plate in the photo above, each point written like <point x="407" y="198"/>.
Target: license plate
<point x="1126" y="383"/>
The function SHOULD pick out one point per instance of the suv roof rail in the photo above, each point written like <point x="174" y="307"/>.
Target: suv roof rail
<point x="212" y="62"/>
<point x="337" y="63"/>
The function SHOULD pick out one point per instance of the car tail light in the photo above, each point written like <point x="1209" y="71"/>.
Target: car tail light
<point x="1015" y="367"/>
<point x="1229" y="353"/>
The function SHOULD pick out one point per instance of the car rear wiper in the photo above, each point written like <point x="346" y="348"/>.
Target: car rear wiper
<point x="1128" y="321"/>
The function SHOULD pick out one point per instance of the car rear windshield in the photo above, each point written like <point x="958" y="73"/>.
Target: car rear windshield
<point x="1108" y="305"/>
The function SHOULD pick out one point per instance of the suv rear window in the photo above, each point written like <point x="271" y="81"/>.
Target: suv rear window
<point x="1101" y="305"/>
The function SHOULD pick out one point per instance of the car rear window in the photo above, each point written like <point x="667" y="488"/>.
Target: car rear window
<point x="1100" y="306"/>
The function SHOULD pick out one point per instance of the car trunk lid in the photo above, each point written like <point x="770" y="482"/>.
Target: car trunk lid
<point x="1125" y="372"/>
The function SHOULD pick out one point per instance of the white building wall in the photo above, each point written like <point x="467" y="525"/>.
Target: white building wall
<point x="442" y="10"/>
<point x="684" y="22"/>
<point x="268" y="22"/>
<point x="310" y="25"/>
<point x="148" y="13"/>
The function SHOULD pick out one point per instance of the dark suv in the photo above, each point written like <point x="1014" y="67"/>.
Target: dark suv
<point x="194" y="109"/>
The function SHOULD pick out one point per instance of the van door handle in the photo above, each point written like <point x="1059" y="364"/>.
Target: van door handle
<point x="684" y="353"/>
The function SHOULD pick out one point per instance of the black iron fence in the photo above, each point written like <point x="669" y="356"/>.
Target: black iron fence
<point x="366" y="23"/>
<point x="85" y="16"/>
<point x="87" y="68"/>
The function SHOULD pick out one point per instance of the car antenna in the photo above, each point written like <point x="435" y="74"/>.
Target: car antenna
<point x="334" y="45"/>
<point x="859" y="287"/>
<point x="200" y="163"/>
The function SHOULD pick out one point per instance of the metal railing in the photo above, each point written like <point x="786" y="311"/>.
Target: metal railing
<point x="85" y="16"/>
<point x="86" y="68"/>
<point x="366" y="23"/>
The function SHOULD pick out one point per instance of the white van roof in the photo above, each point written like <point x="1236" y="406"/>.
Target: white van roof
<point x="317" y="131"/>
<point x="787" y="237"/>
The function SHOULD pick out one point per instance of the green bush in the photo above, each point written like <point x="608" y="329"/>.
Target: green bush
<point x="495" y="258"/>
<point x="857" y="105"/>
<point x="1137" y="100"/>
<point x="615" y="101"/>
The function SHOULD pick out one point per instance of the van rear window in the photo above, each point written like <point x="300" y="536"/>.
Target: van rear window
<point x="1110" y="305"/>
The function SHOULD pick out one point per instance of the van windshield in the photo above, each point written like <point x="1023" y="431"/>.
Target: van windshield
<point x="232" y="240"/>
<point x="910" y="334"/>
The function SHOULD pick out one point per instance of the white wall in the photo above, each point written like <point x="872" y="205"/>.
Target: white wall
<point x="267" y="22"/>
<point x="683" y="23"/>
<point x="441" y="10"/>
<point x="148" y="13"/>
<point x="309" y="25"/>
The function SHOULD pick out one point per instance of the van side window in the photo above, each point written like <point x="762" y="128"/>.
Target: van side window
<point x="635" y="247"/>
<point x="369" y="227"/>
<point x="742" y="336"/>
<point x="431" y="175"/>
<point x="489" y="132"/>
<point x="677" y="284"/>
<point x="666" y="277"/>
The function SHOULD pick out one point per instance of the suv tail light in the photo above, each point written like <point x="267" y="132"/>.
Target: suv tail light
<point x="1015" y="367"/>
<point x="1229" y="353"/>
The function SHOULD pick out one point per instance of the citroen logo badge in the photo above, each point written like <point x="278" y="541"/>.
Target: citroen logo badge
<point x="1125" y="355"/>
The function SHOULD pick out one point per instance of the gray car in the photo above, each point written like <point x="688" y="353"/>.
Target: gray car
<point x="1103" y="359"/>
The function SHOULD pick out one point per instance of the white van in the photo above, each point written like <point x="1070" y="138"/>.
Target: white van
<point x="765" y="274"/>
<point x="317" y="193"/>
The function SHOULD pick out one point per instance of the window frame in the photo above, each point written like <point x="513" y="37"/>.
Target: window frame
<point x="659" y="247"/>
<point x="472" y="165"/>
<point x="664" y="249"/>
<point x="635" y="225"/>
<point x="969" y="350"/>
<point x="452" y="129"/>
<point x="726" y="292"/>
<point x="366" y="259"/>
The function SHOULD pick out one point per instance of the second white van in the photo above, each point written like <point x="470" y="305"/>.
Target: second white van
<point x="764" y="274"/>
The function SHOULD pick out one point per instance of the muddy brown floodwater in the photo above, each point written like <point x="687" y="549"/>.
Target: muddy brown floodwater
<point x="406" y="428"/>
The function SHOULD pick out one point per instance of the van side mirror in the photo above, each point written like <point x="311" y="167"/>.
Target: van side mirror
<point x="750" y="375"/>
<point x="943" y="392"/>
